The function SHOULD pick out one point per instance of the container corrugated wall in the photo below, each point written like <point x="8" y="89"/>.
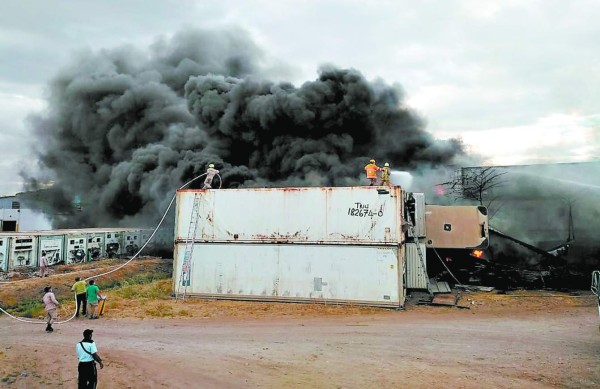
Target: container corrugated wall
<point x="353" y="215"/>
<point x="367" y="275"/>
<point x="416" y="274"/>
<point x="339" y="245"/>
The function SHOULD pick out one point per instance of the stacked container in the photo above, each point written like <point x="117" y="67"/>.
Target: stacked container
<point x="339" y="245"/>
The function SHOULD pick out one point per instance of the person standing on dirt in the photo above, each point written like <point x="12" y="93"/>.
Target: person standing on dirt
<point x="80" y="289"/>
<point x="88" y="356"/>
<point x="43" y="264"/>
<point x="51" y="306"/>
<point x="92" y="298"/>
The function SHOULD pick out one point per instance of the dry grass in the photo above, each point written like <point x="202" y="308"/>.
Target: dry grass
<point x="143" y="289"/>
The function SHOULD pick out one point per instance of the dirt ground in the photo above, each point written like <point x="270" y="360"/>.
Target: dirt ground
<point x="424" y="347"/>
<point x="524" y="339"/>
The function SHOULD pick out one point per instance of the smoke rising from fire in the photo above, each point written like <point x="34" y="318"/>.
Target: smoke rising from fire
<point x="125" y="127"/>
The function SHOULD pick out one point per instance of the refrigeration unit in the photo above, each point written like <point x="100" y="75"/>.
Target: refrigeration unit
<point x="113" y="244"/>
<point x="132" y="240"/>
<point x="76" y="247"/>
<point x="53" y="246"/>
<point x="95" y="245"/>
<point x="23" y="251"/>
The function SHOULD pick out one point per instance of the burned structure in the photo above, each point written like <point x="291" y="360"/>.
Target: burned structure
<point x="543" y="219"/>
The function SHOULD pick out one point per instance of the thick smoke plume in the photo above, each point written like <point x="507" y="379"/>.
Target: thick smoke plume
<point x="125" y="128"/>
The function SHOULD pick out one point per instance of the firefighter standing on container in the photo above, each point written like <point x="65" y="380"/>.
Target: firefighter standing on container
<point x="385" y="174"/>
<point x="211" y="172"/>
<point x="372" y="170"/>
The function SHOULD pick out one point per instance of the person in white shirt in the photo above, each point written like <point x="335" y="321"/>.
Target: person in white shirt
<point x="88" y="356"/>
<point x="50" y="306"/>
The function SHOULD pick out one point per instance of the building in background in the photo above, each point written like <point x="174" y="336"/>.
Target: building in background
<point x="15" y="215"/>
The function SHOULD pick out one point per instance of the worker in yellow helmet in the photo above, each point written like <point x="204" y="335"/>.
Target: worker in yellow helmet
<point x="385" y="174"/>
<point x="211" y="172"/>
<point x="372" y="170"/>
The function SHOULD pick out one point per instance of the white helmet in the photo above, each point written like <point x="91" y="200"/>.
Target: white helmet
<point x="212" y="165"/>
<point x="386" y="164"/>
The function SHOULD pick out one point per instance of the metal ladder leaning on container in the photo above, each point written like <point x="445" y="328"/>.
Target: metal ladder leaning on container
<point x="186" y="267"/>
<point x="421" y="257"/>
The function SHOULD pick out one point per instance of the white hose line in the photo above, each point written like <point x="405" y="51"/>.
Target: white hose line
<point x="118" y="267"/>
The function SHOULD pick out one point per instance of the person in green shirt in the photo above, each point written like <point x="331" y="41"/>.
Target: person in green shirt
<point x="93" y="293"/>
<point x="80" y="289"/>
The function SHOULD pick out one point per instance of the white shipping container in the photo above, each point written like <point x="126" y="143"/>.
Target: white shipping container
<point x="53" y="245"/>
<point x="76" y="247"/>
<point x="340" y="245"/>
<point x="23" y="251"/>
<point x="113" y="244"/>
<point x="95" y="245"/>
<point x="132" y="241"/>
<point x="349" y="215"/>
<point x="370" y="275"/>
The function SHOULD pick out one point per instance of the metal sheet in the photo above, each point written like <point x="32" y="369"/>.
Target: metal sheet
<point x="353" y="215"/>
<point x="460" y="227"/>
<point x="322" y="273"/>
<point x="53" y="245"/>
<point x="416" y="273"/>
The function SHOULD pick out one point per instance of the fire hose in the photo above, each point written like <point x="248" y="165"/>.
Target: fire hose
<point x="24" y="320"/>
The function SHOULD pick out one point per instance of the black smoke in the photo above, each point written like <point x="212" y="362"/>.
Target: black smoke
<point x="125" y="128"/>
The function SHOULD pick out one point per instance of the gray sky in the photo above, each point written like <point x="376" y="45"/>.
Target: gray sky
<point x="519" y="81"/>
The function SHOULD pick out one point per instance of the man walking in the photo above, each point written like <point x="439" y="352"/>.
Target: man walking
<point x="80" y="289"/>
<point x="50" y="305"/>
<point x="92" y="298"/>
<point x="88" y="356"/>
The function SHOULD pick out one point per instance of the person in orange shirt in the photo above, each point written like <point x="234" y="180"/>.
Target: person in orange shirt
<point x="372" y="170"/>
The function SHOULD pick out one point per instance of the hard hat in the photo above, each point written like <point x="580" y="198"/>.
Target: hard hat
<point x="372" y="161"/>
<point x="212" y="165"/>
<point x="386" y="164"/>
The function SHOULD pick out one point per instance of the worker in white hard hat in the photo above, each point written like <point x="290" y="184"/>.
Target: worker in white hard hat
<point x="211" y="172"/>
<point x="385" y="174"/>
